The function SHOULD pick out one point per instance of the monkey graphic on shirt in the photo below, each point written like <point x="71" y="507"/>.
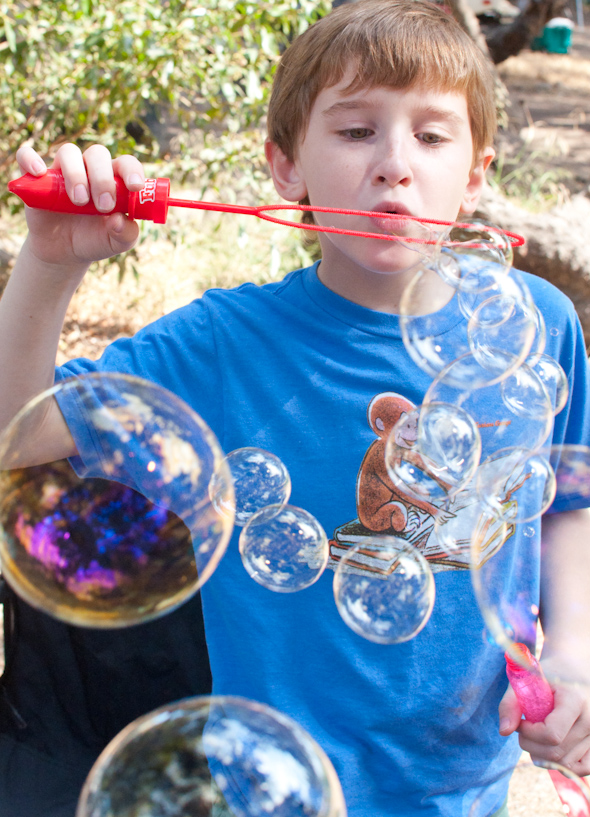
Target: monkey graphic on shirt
<point x="381" y="505"/>
<point x="385" y="508"/>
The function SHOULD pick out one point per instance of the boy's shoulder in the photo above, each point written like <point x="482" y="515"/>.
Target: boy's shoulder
<point x="555" y="306"/>
<point x="250" y="290"/>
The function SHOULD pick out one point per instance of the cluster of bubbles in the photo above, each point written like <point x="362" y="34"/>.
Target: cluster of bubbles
<point x="141" y="525"/>
<point x="284" y="548"/>
<point x="127" y="536"/>
<point x="147" y="521"/>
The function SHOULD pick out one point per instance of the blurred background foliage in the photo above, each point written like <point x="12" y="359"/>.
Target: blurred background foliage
<point x="180" y="82"/>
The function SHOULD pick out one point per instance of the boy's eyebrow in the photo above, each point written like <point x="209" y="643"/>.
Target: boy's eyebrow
<point x="349" y="105"/>
<point x="433" y="111"/>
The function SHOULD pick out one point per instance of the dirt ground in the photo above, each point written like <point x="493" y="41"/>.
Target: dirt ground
<point x="550" y="112"/>
<point x="550" y="107"/>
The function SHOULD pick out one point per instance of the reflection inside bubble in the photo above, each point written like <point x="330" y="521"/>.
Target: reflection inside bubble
<point x="134" y="536"/>
<point x="259" y="478"/>
<point x="215" y="757"/>
<point x="384" y="590"/>
<point x="284" y="548"/>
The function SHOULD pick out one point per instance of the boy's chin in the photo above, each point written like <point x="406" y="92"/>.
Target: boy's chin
<point x="402" y="260"/>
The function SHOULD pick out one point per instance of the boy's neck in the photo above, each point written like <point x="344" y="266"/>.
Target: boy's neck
<point x="377" y="291"/>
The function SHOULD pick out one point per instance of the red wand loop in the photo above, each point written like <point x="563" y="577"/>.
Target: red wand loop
<point x="48" y="192"/>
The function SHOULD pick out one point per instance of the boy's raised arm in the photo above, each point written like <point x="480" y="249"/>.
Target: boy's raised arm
<point x="57" y="252"/>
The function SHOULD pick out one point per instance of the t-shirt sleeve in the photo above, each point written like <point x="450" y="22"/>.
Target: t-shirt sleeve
<point x="572" y="423"/>
<point x="177" y="352"/>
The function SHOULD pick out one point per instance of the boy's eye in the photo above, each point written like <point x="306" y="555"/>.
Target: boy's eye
<point x="431" y="138"/>
<point x="357" y="133"/>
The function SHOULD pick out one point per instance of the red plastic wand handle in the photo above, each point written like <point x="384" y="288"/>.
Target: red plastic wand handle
<point x="48" y="192"/>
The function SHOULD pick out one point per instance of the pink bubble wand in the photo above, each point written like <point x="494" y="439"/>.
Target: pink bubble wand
<point x="535" y="697"/>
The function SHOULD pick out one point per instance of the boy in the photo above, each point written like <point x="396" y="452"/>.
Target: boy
<point x="385" y="105"/>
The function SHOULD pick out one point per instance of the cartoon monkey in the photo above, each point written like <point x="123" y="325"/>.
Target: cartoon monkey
<point x="381" y="505"/>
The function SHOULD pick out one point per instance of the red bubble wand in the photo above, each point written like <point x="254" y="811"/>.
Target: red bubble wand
<point x="48" y="192"/>
<point x="535" y="698"/>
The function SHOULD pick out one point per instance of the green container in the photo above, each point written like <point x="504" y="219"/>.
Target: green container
<point x="556" y="38"/>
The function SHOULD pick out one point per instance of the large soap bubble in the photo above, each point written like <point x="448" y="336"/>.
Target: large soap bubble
<point x="471" y="245"/>
<point x="517" y="412"/>
<point x="212" y="757"/>
<point x="505" y="576"/>
<point x="497" y="328"/>
<point x="384" y="590"/>
<point x="534" y="789"/>
<point x="553" y="377"/>
<point x="284" y="548"/>
<point x="433" y="451"/>
<point x="135" y="533"/>
<point x="571" y="464"/>
<point x="259" y="479"/>
<point x="523" y="476"/>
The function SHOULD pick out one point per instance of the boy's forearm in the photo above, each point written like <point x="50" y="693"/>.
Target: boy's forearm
<point x="32" y="310"/>
<point x="565" y="593"/>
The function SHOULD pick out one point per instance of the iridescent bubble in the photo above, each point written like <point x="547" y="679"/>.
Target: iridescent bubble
<point x="553" y="377"/>
<point x="134" y="533"/>
<point x="550" y="789"/>
<point x="213" y="757"/>
<point x="517" y="475"/>
<point x="284" y="548"/>
<point x="571" y="464"/>
<point x="390" y="603"/>
<point x="433" y="451"/>
<point x="504" y="575"/>
<point x="259" y="479"/>
<point x="565" y="591"/>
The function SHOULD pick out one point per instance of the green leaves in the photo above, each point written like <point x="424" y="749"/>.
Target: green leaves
<point x="82" y="70"/>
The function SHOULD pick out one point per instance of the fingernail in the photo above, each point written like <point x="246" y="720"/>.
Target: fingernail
<point x="504" y="725"/>
<point x="105" y="201"/>
<point x="135" y="178"/>
<point x="80" y="194"/>
<point x="39" y="166"/>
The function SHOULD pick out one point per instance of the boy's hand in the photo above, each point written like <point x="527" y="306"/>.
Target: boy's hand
<point x="563" y="737"/>
<point x="71" y="241"/>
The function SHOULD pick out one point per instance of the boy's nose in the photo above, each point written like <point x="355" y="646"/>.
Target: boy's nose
<point x="393" y="167"/>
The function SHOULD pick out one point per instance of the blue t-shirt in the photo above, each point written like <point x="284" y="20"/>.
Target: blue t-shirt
<point x="292" y="368"/>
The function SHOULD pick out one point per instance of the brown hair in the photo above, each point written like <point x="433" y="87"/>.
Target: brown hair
<point x="390" y="43"/>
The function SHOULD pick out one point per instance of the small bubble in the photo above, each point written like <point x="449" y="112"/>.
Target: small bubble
<point x="529" y="531"/>
<point x="554" y="332"/>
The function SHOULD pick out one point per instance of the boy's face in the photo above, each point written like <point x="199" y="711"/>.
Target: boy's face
<point x="407" y="151"/>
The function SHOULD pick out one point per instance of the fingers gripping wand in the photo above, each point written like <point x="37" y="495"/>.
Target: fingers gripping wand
<point x="536" y="701"/>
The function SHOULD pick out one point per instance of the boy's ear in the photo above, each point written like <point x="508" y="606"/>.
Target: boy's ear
<point x="476" y="182"/>
<point x="285" y="173"/>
